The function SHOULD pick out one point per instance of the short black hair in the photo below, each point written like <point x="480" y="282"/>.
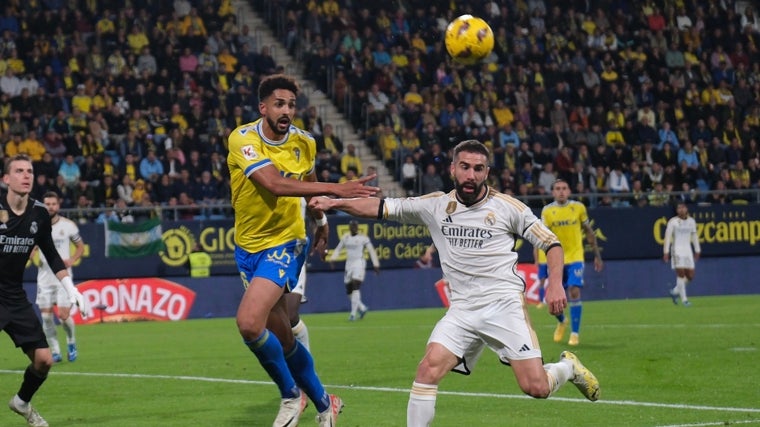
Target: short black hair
<point x="471" y="146"/>
<point x="49" y="194"/>
<point x="276" y="81"/>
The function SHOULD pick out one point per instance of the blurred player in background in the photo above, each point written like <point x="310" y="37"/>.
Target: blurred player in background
<point x="568" y="220"/>
<point x="297" y="295"/>
<point x="356" y="266"/>
<point x="471" y="227"/>
<point x="293" y="301"/>
<point x="24" y="225"/>
<point x="680" y="237"/>
<point x="271" y="165"/>
<point x="49" y="291"/>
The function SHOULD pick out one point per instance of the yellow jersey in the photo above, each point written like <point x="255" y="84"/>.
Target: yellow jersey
<point x="541" y="258"/>
<point x="263" y="220"/>
<point x="566" y="221"/>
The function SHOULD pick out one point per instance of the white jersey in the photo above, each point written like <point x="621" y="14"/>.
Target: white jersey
<point x="300" y="287"/>
<point x="65" y="232"/>
<point x="475" y="243"/>
<point x="680" y="235"/>
<point x="355" y="262"/>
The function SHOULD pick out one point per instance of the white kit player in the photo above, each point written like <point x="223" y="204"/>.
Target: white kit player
<point x="680" y="237"/>
<point x="474" y="229"/>
<point x="297" y="295"/>
<point x="49" y="292"/>
<point x="356" y="266"/>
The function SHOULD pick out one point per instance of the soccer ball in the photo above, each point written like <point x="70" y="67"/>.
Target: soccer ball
<point x="468" y="39"/>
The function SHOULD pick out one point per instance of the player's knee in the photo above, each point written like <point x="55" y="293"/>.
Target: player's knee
<point x="42" y="363"/>
<point x="429" y="373"/>
<point x="45" y="367"/>
<point x="537" y="389"/>
<point x="249" y="328"/>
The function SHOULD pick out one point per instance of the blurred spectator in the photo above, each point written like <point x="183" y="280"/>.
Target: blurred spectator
<point x="351" y="160"/>
<point x="189" y="207"/>
<point x="409" y="174"/>
<point x="69" y="172"/>
<point x="431" y="180"/>
<point x="185" y="183"/>
<point x="329" y="141"/>
<point x="150" y="166"/>
<point x="124" y="190"/>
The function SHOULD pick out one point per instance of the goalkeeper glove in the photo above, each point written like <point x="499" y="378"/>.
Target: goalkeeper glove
<point x="76" y="297"/>
<point x="84" y="306"/>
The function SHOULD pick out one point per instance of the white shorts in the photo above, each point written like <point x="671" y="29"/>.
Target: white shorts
<point x="685" y="261"/>
<point x="354" y="273"/>
<point x="503" y="326"/>
<point x="50" y="295"/>
<point x="300" y="288"/>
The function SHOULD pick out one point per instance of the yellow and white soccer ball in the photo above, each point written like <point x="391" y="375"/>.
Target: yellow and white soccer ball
<point x="469" y="39"/>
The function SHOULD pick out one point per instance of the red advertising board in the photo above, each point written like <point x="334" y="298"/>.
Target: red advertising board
<point x="135" y="299"/>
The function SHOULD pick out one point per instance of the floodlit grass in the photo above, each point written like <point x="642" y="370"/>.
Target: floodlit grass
<point x="658" y="365"/>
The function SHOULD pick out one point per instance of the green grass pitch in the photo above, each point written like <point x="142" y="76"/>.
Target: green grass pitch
<point x="658" y="364"/>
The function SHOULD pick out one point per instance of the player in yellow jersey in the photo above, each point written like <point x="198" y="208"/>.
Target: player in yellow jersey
<point x="568" y="220"/>
<point x="271" y="165"/>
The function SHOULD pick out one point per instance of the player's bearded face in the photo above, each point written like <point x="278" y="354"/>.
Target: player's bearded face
<point x="52" y="206"/>
<point x="470" y="172"/>
<point x="279" y="125"/>
<point x="280" y="109"/>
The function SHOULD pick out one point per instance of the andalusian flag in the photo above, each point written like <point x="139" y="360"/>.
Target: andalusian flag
<point x="133" y="240"/>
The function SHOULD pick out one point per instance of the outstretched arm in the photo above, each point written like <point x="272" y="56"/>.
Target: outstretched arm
<point x="269" y="177"/>
<point x="370" y="207"/>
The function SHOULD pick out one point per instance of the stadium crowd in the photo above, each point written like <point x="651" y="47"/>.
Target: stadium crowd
<point x="129" y="103"/>
<point x="614" y="96"/>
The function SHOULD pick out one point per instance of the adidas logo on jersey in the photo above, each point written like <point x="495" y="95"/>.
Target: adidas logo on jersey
<point x="524" y="348"/>
<point x="448" y="219"/>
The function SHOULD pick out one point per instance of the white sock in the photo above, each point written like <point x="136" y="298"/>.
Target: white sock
<point x="68" y="326"/>
<point x="48" y="326"/>
<point x="421" y="408"/>
<point x="19" y="403"/>
<point x="681" y="288"/>
<point x="354" y="297"/>
<point x="301" y="332"/>
<point x="558" y="374"/>
<point x="361" y="305"/>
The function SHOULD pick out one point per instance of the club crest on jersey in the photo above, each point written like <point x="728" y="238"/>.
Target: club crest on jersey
<point x="297" y="153"/>
<point x="248" y="152"/>
<point x="4" y="216"/>
<point x="451" y="207"/>
<point x="490" y="219"/>
<point x="33" y="227"/>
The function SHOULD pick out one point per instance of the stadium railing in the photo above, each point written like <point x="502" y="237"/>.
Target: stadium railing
<point x="224" y="210"/>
